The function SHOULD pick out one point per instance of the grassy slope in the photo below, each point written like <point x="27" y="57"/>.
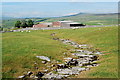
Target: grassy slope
<point x="106" y="40"/>
<point x="20" y="48"/>
<point x="88" y="19"/>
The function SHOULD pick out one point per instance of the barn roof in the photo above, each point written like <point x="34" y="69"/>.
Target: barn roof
<point x="73" y="23"/>
<point x="46" y="23"/>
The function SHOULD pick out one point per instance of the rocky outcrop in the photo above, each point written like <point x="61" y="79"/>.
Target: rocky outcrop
<point x="71" y="66"/>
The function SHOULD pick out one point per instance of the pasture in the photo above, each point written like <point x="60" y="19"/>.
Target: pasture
<point x="19" y="50"/>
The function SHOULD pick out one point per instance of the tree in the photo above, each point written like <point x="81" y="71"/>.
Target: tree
<point x="36" y="23"/>
<point x="23" y="24"/>
<point x="18" y="24"/>
<point x="1" y="28"/>
<point x="30" y="23"/>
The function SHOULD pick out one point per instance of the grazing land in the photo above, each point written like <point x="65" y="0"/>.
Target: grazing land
<point x="21" y="48"/>
<point x="88" y="19"/>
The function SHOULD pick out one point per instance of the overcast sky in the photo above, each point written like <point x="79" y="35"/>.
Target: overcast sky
<point x="55" y="9"/>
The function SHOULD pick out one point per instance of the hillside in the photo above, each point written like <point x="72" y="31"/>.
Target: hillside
<point x="88" y="19"/>
<point x="20" y="57"/>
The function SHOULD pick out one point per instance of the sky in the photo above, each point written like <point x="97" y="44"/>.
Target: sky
<point x="60" y="0"/>
<point x="11" y="8"/>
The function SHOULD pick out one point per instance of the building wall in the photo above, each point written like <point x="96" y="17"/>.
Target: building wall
<point x="77" y="25"/>
<point x="59" y="24"/>
<point x="56" y="24"/>
<point x="40" y="25"/>
<point x="64" y="24"/>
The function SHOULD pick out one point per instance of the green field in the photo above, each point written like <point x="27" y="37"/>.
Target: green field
<point x="19" y="50"/>
<point x="88" y="19"/>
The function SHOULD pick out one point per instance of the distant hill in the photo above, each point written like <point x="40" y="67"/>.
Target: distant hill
<point x="85" y="18"/>
<point x="74" y="14"/>
<point x="89" y="19"/>
<point x="6" y="18"/>
<point x="108" y="14"/>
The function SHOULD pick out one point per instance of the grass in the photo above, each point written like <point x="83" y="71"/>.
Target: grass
<point x="103" y="38"/>
<point x="109" y="19"/>
<point x="19" y="50"/>
<point x="88" y="19"/>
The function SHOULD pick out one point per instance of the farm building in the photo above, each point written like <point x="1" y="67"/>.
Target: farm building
<point x="73" y="24"/>
<point x="60" y="23"/>
<point x="66" y="24"/>
<point x="43" y="25"/>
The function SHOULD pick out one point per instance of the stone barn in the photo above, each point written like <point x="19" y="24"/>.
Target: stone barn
<point x="60" y="23"/>
<point x="56" y="24"/>
<point x="74" y="24"/>
<point x="42" y="25"/>
<point x="66" y="24"/>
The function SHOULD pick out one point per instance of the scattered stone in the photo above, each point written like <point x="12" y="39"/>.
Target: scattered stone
<point x="55" y="38"/>
<point x="73" y="43"/>
<point x="32" y="76"/>
<point x="45" y="71"/>
<point x="35" y="63"/>
<point x="29" y="73"/>
<point x="53" y="34"/>
<point x="80" y="55"/>
<point x="66" y="72"/>
<point x="89" y="66"/>
<point x="87" y="69"/>
<point x="72" y="62"/>
<point x="69" y="58"/>
<point x="26" y="75"/>
<point x="35" y="77"/>
<point x="50" y="75"/>
<point x="85" y="63"/>
<point x="21" y="76"/>
<point x="98" y="53"/>
<point x="43" y="57"/>
<point x="61" y="66"/>
<point x="44" y="62"/>
<point x="39" y="74"/>
<point x="78" y="68"/>
<point x="61" y="76"/>
<point x="93" y="57"/>
<point x="85" y="60"/>
<point x="64" y="53"/>
<point x="80" y="50"/>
